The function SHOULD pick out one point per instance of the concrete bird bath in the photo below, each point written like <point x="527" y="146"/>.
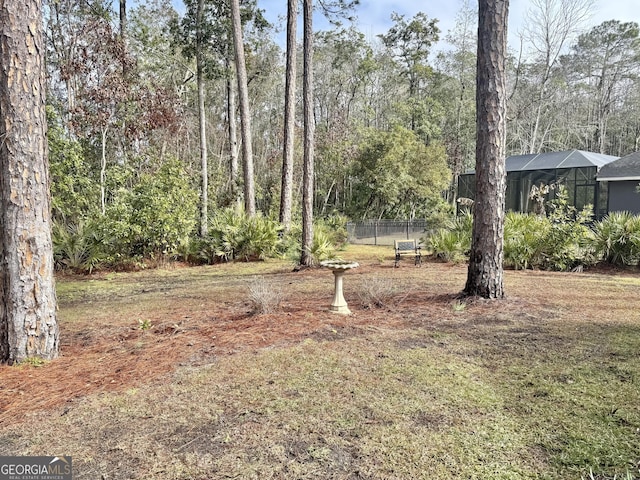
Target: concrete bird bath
<point x="339" y="304"/>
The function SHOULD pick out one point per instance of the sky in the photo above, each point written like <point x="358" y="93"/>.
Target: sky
<point x="373" y="16"/>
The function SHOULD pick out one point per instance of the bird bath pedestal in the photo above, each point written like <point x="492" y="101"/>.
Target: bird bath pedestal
<point x="339" y="304"/>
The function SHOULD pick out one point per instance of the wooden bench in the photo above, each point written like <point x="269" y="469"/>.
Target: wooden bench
<point x="407" y="247"/>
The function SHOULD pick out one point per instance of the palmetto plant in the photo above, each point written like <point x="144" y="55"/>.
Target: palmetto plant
<point x="261" y="239"/>
<point x="524" y="236"/>
<point x="237" y="236"/>
<point x="616" y="238"/>
<point x="322" y="247"/>
<point x="75" y="247"/>
<point x="453" y="242"/>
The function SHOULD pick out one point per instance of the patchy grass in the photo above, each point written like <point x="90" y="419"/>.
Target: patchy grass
<point x="542" y="385"/>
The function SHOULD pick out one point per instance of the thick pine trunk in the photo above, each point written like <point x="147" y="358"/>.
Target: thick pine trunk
<point x="485" y="274"/>
<point x="28" y="326"/>
<point x="245" y="114"/>
<point x="286" y="193"/>
<point x="309" y="136"/>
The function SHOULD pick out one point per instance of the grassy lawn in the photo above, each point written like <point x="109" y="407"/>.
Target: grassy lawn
<point x="414" y="385"/>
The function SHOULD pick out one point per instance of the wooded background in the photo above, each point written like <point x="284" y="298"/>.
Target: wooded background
<point x="394" y="115"/>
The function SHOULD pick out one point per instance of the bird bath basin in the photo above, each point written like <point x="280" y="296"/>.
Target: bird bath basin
<point x="339" y="304"/>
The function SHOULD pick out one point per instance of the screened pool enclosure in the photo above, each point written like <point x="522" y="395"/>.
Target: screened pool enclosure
<point x="574" y="169"/>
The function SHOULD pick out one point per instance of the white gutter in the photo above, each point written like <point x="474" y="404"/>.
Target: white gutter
<point x="616" y="179"/>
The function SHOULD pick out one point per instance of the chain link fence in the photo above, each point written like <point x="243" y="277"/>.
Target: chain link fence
<point x="384" y="232"/>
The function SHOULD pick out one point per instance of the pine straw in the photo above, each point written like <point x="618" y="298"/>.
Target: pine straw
<point x="434" y="390"/>
<point x="115" y="356"/>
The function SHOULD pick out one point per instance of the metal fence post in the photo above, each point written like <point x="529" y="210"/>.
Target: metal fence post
<point x="375" y="233"/>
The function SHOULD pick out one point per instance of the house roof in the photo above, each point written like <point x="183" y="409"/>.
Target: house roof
<point x="554" y="160"/>
<point x="625" y="168"/>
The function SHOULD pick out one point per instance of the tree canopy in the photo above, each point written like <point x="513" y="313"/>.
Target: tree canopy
<point x="394" y="115"/>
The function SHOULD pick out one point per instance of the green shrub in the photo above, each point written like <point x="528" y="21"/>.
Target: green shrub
<point x="290" y="243"/>
<point x="567" y="244"/>
<point x="524" y="237"/>
<point x="119" y="236"/>
<point x="447" y="245"/>
<point x="76" y="247"/>
<point x="164" y="209"/>
<point x="73" y="191"/>
<point x="225" y="236"/>
<point x="323" y="247"/>
<point x="452" y="243"/>
<point x="439" y="215"/>
<point x="329" y="235"/>
<point x="616" y="239"/>
<point x="234" y="235"/>
<point x="561" y="241"/>
<point x="153" y="220"/>
<point x="335" y="226"/>
<point x="261" y="238"/>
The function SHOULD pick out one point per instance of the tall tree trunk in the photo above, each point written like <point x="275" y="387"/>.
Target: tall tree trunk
<point x="309" y="135"/>
<point x="549" y="25"/>
<point x="540" y="103"/>
<point x="204" y="168"/>
<point x="233" y="139"/>
<point x="245" y="114"/>
<point x="103" y="171"/>
<point x="125" y="75"/>
<point x="123" y="20"/>
<point x="485" y="273"/>
<point x="286" y="193"/>
<point x="601" y="114"/>
<point x="28" y="326"/>
<point x="533" y="147"/>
